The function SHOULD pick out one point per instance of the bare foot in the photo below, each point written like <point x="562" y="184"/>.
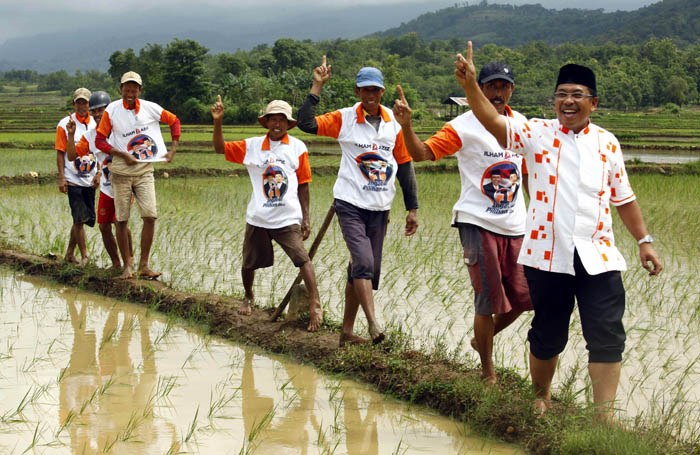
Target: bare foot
<point x="70" y="259"/>
<point x="315" y="317"/>
<point x="376" y="332"/>
<point x="246" y="309"/>
<point x="83" y="262"/>
<point x="540" y="406"/>
<point x="116" y="266"/>
<point x="148" y="274"/>
<point x="489" y="381"/>
<point x="127" y="273"/>
<point x="351" y="338"/>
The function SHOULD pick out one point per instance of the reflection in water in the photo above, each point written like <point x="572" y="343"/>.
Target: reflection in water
<point x="129" y="383"/>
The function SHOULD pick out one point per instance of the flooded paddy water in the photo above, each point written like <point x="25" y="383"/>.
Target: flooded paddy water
<point x="425" y="288"/>
<point x="80" y="373"/>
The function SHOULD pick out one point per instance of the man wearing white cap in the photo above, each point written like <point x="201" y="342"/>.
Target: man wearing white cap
<point x="278" y="166"/>
<point x="373" y="157"/>
<point x="77" y="178"/>
<point x="136" y="143"/>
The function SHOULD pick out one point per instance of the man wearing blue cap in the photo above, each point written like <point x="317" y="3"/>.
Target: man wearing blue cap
<point x="373" y="157"/>
<point x="576" y="173"/>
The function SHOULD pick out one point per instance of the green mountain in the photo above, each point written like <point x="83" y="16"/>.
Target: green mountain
<point x="512" y="26"/>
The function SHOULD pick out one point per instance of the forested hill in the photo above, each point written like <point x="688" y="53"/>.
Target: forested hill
<point x="511" y="26"/>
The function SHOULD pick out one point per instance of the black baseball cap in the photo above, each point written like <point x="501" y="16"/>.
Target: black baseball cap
<point x="496" y="70"/>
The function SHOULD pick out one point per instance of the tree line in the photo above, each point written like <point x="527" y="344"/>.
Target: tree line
<point x="183" y="77"/>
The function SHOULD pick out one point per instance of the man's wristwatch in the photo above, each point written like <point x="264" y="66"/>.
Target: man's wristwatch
<point x="646" y="239"/>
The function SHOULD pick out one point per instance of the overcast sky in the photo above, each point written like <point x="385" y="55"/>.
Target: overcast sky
<point x="32" y="17"/>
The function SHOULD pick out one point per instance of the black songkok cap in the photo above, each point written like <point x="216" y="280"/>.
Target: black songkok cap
<point x="576" y="74"/>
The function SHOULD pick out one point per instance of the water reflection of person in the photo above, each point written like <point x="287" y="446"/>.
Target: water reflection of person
<point x="79" y="378"/>
<point x="361" y="435"/>
<point x="108" y="414"/>
<point x="254" y="405"/>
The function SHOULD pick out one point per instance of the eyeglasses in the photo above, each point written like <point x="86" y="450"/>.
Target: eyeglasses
<point x="577" y="96"/>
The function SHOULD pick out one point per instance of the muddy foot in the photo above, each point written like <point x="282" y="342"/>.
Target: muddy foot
<point x="376" y="332"/>
<point x="70" y="259"/>
<point x="246" y="309"/>
<point x="84" y="261"/>
<point x="315" y="318"/>
<point x="489" y="381"/>
<point x="148" y="274"/>
<point x="116" y="266"/>
<point x="127" y="273"/>
<point x="540" y="406"/>
<point x="351" y="338"/>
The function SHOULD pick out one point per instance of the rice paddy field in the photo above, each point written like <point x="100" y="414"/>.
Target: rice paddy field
<point x="424" y="292"/>
<point x="86" y="374"/>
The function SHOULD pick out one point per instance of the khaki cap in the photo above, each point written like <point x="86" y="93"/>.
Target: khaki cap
<point x="278" y="107"/>
<point x="131" y="76"/>
<point x="81" y="94"/>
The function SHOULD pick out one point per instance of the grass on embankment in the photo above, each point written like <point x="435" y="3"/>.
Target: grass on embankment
<point x="427" y="375"/>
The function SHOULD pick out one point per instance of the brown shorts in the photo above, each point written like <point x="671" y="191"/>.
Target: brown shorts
<point x="141" y="187"/>
<point x="498" y="280"/>
<point x="257" y="246"/>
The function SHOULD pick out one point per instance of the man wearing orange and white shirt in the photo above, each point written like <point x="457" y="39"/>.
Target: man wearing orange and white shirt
<point x="373" y="157"/>
<point x="576" y="172"/>
<point x="106" y="215"/>
<point x="77" y="177"/>
<point x="136" y="143"/>
<point x="278" y="166"/>
<point x="491" y="223"/>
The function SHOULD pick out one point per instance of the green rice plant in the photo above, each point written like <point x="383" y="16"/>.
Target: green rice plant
<point x="251" y="443"/>
<point x="192" y="427"/>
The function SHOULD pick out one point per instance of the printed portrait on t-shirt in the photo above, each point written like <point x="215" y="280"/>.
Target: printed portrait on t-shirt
<point x="84" y="164"/>
<point x="274" y="184"/>
<point x="501" y="184"/>
<point x="105" y="169"/>
<point x="142" y="147"/>
<point x="375" y="169"/>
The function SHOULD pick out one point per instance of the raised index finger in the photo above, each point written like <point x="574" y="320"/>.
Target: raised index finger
<point x="403" y="97"/>
<point x="323" y="61"/>
<point x="469" y="51"/>
<point x="218" y="99"/>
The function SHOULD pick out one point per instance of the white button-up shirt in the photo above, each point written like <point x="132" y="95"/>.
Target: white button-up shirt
<point x="573" y="179"/>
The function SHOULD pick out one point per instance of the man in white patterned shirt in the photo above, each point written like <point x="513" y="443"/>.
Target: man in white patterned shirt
<point x="576" y="171"/>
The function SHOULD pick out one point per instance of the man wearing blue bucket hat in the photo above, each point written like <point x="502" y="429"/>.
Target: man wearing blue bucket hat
<point x="373" y="157"/>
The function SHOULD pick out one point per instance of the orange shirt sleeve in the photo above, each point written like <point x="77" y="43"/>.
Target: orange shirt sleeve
<point x="400" y="152"/>
<point x="329" y="124"/>
<point x="105" y="126"/>
<point x="234" y="151"/>
<point x="82" y="148"/>
<point x="304" y="169"/>
<point x="445" y="142"/>
<point x="174" y="123"/>
<point x="61" y="139"/>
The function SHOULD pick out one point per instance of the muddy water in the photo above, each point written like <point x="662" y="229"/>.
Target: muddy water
<point x="83" y="374"/>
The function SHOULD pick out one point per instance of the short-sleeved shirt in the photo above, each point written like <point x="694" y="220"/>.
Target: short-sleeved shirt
<point x="573" y="180"/>
<point x="87" y="146"/>
<point x="82" y="169"/>
<point x="370" y="157"/>
<point x="135" y="131"/>
<point x="276" y="169"/>
<point x="497" y="207"/>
